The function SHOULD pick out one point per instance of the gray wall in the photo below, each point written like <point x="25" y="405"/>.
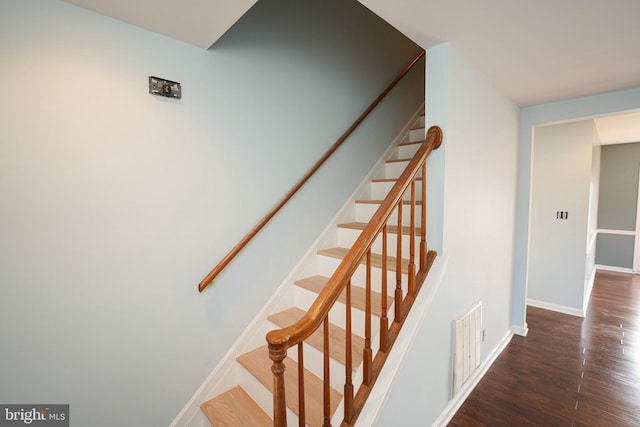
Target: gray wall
<point x="116" y="203"/>
<point x="613" y="250"/>
<point x="620" y="165"/>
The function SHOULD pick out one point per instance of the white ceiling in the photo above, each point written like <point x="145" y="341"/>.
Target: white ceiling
<point x="197" y="22"/>
<point x="534" y="51"/>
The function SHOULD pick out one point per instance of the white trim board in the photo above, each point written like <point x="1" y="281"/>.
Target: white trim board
<point x="520" y="330"/>
<point x="587" y="296"/>
<point x="472" y="382"/>
<point x="556" y="307"/>
<point x="614" y="268"/>
<point x="592" y="243"/>
<point x="618" y="232"/>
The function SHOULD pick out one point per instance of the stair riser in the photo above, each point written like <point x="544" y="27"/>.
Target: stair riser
<point x="261" y="395"/>
<point x="379" y="190"/>
<point x="347" y="237"/>
<point x="407" y="151"/>
<point x="337" y="316"/>
<point x="422" y="121"/>
<point x="417" y="135"/>
<point x="365" y="211"/>
<point x="327" y="265"/>
<point x="393" y="170"/>
<point x="314" y="362"/>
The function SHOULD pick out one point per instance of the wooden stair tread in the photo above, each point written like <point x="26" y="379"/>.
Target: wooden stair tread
<point x="404" y="144"/>
<point x="234" y="408"/>
<point x="391" y="229"/>
<point x="257" y="362"/>
<point x="358" y="295"/>
<point x="337" y="337"/>
<point x="397" y="160"/>
<point x="391" y="179"/>
<point x="376" y="259"/>
<point x="377" y="202"/>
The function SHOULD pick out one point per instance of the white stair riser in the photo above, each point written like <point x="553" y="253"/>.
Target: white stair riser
<point x="347" y="237"/>
<point x="261" y="395"/>
<point x="327" y="265"/>
<point x="417" y="135"/>
<point x="380" y="189"/>
<point x="337" y="315"/>
<point x="422" y="121"/>
<point x="407" y="151"/>
<point x="365" y="211"/>
<point x="314" y="363"/>
<point x="393" y="170"/>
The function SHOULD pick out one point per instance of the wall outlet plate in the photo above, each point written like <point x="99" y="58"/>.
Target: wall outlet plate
<point x="163" y="87"/>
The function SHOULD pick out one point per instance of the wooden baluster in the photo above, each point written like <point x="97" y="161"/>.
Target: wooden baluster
<point x="384" y="320"/>
<point x="398" y="293"/>
<point x="301" y="412"/>
<point x="423" y="221"/>
<point x="367" y="354"/>
<point x="327" y="376"/>
<point x="348" y="384"/>
<point x="277" y="355"/>
<point x="411" y="274"/>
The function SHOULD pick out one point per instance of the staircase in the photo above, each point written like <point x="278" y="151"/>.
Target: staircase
<point x="249" y="382"/>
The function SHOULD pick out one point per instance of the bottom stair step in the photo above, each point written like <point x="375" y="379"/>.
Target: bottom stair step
<point x="235" y="408"/>
<point x="258" y="363"/>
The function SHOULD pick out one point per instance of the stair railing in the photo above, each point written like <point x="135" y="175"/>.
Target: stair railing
<point x="256" y="229"/>
<point x="279" y="341"/>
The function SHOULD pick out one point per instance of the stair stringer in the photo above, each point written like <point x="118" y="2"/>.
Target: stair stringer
<point x="227" y="372"/>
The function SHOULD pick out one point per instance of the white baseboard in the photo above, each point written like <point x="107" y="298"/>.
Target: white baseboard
<point x="457" y="401"/>
<point x="556" y="307"/>
<point x="520" y="330"/>
<point x="614" y="268"/>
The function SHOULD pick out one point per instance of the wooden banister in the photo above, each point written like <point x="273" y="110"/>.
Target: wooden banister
<point x="279" y="341"/>
<point x="256" y="229"/>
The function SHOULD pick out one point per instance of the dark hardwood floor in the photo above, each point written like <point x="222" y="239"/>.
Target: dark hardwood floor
<point x="568" y="371"/>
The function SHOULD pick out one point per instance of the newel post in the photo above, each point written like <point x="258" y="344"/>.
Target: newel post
<point x="277" y="353"/>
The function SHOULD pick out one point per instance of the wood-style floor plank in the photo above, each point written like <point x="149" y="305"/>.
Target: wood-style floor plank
<point x="568" y="371"/>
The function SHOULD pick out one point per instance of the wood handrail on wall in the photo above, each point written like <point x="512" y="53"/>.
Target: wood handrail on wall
<point x="279" y="341"/>
<point x="256" y="229"/>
